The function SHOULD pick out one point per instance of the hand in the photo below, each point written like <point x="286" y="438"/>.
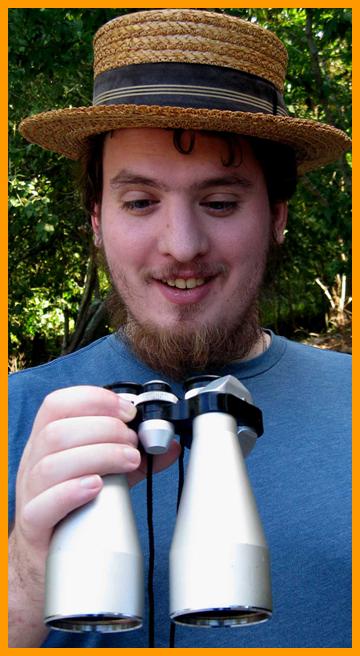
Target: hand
<point x="79" y="435"/>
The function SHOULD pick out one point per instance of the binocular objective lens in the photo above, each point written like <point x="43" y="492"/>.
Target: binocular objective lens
<point x="99" y="623"/>
<point x="223" y="617"/>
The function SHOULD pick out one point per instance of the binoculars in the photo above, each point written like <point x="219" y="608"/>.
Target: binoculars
<point x="218" y="562"/>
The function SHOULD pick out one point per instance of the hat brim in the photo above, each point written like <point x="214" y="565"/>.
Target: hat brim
<point x="66" y="131"/>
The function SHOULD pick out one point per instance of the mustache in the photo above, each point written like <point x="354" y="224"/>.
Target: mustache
<point x="197" y="270"/>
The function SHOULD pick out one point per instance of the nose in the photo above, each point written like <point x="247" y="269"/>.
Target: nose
<point x="183" y="236"/>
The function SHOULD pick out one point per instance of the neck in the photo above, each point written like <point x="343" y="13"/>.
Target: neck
<point x="260" y="346"/>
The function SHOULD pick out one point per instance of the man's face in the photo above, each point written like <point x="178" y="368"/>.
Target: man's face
<point x="185" y="237"/>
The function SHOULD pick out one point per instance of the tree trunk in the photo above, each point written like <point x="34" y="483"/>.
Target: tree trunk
<point x="83" y="315"/>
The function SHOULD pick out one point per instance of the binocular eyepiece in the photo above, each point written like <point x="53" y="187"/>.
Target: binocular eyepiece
<point x="218" y="562"/>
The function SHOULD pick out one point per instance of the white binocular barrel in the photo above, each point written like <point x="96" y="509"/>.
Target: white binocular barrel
<point x="219" y="560"/>
<point x="94" y="570"/>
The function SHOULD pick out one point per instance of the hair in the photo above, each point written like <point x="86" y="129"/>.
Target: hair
<point x="277" y="160"/>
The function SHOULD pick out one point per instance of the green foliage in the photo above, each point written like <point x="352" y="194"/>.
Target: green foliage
<point x="50" y="66"/>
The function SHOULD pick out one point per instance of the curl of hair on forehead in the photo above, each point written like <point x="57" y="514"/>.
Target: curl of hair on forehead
<point x="184" y="142"/>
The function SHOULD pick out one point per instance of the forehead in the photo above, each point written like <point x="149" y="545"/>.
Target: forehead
<point x="153" y="149"/>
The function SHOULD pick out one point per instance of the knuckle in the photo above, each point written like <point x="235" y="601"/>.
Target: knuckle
<point x="25" y="515"/>
<point x="51" y="436"/>
<point x="31" y="479"/>
<point x="50" y="402"/>
<point x="53" y="404"/>
<point x="42" y="472"/>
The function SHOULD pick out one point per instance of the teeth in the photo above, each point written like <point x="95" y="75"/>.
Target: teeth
<point x="180" y="283"/>
<point x="191" y="283"/>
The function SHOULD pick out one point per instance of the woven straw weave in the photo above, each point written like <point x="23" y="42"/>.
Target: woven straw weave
<point x="193" y="37"/>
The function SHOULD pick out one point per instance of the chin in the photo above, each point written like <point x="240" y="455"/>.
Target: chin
<point x="180" y="326"/>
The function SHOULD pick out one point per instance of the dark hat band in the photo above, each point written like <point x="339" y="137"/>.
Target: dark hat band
<point x="188" y="85"/>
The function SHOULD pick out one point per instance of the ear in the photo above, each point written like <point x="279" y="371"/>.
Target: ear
<point x="279" y="221"/>
<point x="96" y="224"/>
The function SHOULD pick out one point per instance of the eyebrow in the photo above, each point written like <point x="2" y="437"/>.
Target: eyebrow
<point x="225" y="181"/>
<point x="126" y="176"/>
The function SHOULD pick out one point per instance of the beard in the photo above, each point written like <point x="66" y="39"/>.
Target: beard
<point x="190" y="347"/>
<point x="184" y="351"/>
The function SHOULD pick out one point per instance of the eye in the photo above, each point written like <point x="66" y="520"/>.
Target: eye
<point x="139" y="205"/>
<point x="220" y="206"/>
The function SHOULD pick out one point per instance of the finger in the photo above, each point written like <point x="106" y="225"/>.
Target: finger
<point x="166" y="459"/>
<point x="40" y="515"/>
<point x="82" y="400"/>
<point x="81" y="461"/>
<point x="71" y="432"/>
<point x="160" y="462"/>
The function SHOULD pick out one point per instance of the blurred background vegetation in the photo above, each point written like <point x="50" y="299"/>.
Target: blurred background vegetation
<point x="56" y="290"/>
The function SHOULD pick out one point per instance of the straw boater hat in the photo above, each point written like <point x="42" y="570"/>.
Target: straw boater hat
<point x="185" y="68"/>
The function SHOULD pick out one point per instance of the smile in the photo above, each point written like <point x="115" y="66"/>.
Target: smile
<point x="182" y="283"/>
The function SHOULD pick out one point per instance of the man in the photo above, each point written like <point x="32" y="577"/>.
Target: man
<point x="191" y="159"/>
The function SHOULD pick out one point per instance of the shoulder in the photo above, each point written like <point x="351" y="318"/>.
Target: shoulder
<point x="315" y="374"/>
<point x="80" y="367"/>
<point x="310" y="356"/>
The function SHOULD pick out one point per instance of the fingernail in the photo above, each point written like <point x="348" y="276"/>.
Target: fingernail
<point x="127" y="409"/>
<point x="91" y="482"/>
<point x="132" y="455"/>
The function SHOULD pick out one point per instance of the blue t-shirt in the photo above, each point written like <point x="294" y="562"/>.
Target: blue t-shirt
<point x="300" y="471"/>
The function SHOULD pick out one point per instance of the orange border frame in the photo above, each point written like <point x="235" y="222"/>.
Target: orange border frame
<point x="3" y="286"/>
